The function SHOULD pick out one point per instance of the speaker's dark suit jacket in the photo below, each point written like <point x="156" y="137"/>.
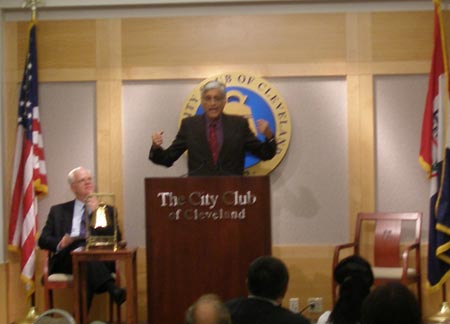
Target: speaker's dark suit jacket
<point x="237" y="140"/>
<point x="258" y="311"/>
<point x="59" y="223"/>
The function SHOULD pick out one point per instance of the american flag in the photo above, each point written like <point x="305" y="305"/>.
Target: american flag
<point x="29" y="172"/>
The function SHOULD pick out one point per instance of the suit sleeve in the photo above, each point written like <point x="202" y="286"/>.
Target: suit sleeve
<point x="263" y="150"/>
<point x="50" y="237"/>
<point x="168" y="156"/>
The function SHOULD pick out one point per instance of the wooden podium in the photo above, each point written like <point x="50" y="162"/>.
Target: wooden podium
<point x="201" y="235"/>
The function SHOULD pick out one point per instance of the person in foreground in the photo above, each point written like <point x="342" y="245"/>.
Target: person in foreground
<point x="391" y="303"/>
<point x="267" y="282"/>
<point x="208" y="309"/>
<point x="216" y="142"/>
<point x="355" y="277"/>
<point x="63" y="233"/>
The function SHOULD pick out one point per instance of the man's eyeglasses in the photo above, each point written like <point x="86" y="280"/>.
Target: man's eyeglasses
<point x="213" y="98"/>
<point x="83" y="180"/>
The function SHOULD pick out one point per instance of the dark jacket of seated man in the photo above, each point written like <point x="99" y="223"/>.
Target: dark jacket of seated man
<point x="267" y="282"/>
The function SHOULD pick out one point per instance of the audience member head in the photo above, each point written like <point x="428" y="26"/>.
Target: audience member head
<point x="355" y="277"/>
<point x="81" y="183"/>
<point x="391" y="303"/>
<point x="268" y="277"/>
<point x="208" y="309"/>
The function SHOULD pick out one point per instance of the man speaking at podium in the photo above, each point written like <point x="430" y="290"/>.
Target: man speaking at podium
<point x="216" y="142"/>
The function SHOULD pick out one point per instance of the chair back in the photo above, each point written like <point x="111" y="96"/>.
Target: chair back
<point x="385" y="234"/>
<point x="390" y="242"/>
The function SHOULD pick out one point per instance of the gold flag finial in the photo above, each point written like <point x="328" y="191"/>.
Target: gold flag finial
<point x="32" y="4"/>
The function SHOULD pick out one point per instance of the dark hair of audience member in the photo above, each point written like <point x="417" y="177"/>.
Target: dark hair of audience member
<point x="354" y="276"/>
<point x="222" y="315"/>
<point x="267" y="277"/>
<point x="391" y="303"/>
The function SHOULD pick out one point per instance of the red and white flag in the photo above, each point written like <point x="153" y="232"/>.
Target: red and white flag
<point x="435" y="158"/>
<point x="29" y="174"/>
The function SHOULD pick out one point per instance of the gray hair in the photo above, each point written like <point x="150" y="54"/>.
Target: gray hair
<point x="222" y="313"/>
<point x="214" y="84"/>
<point x="71" y="174"/>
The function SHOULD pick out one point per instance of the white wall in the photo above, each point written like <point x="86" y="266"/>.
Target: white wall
<point x="67" y="112"/>
<point x="401" y="184"/>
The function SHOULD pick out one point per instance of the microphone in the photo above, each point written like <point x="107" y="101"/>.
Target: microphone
<point x="224" y="172"/>
<point x="210" y="170"/>
<point x="309" y="306"/>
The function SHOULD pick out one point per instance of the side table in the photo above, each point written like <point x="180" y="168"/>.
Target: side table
<point x="127" y="255"/>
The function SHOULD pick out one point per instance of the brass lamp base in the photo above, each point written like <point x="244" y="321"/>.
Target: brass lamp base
<point x="30" y="318"/>
<point x="443" y="316"/>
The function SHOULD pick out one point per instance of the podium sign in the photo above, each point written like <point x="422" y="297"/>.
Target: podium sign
<point x="201" y="235"/>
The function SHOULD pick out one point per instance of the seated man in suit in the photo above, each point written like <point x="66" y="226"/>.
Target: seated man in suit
<point x="208" y="309"/>
<point x="216" y="142"/>
<point x="267" y="282"/>
<point x="64" y="231"/>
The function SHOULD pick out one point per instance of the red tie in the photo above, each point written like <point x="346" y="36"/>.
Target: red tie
<point x="212" y="139"/>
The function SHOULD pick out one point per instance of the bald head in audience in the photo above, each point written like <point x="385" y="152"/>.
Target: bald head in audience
<point x="208" y="309"/>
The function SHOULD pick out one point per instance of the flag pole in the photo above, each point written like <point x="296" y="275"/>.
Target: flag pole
<point x="32" y="314"/>
<point x="32" y="4"/>
<point x="443" y="315"/>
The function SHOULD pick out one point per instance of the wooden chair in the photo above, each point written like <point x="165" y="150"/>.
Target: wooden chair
<point x="391" y="243"/>
<point x="65" y="281"/>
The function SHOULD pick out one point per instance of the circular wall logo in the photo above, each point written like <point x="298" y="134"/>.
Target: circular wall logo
<point x="253" y="98"/>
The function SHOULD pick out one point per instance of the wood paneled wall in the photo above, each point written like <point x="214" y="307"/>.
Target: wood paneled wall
<point x="4" y="293"/>
<point x="108" y="51"/>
